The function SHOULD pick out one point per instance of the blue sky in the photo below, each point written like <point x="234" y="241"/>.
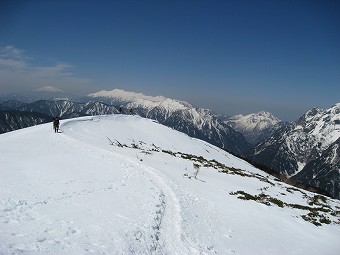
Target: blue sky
<point x="229" y="56"/>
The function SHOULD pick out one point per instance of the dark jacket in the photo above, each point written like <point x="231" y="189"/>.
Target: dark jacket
<point x="56" y="121"/>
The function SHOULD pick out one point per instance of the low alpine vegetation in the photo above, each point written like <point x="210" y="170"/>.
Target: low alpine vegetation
<point x="316" y="215"/>
<point x="198" y="161"/>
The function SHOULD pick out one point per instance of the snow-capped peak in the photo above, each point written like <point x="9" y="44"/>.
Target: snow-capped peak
<point x="126" y="96"/>
<point x="135" y="100"/>
<point x="265" y="118"/>
<point x="254" y="126"/>
<point x="335" y="109"/>
<point x="320" y="127"/>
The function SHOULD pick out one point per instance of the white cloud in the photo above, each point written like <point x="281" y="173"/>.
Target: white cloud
<point x="12" y="64"/>
<point x="17" y="73"/>
<point x="10" y="51"/>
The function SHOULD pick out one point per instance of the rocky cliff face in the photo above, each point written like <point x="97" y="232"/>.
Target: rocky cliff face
<point x="324" y="171"/>
<point x="301" y="149"/>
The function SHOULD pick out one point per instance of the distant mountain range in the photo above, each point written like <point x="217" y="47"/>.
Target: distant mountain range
<point x="196" y="122"/>
<point x="68" y="109"/>
<point x="15" y="115"/>
<point x="44" y="93"/>
<point x="12" y="120"/>
<point x="10" y="105"/>
<point x="306" y="150"/>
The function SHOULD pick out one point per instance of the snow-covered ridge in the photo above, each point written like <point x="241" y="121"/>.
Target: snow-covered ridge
<point x="126" y="95"/>
<point x="320" y="128"/>
<point x="169" y="105"/>
<point x="313" y="133"/>
<point x="303" y="148"/>
<point x="254" y="121"/>
<point x="127" y="185"/>
<point x="310" y="135"/>
<point x="256" y="126"/>
<point x="140" y="100"/>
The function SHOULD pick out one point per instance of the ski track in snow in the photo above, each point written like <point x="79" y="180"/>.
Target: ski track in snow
<point x="166" y="236"/>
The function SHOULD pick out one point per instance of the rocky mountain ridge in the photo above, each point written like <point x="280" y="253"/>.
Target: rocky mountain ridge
<point x="305" y="147"/>
<point x="12" y="120"/>
<point x="68" y="109"/>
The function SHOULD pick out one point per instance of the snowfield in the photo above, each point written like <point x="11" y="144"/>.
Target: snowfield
<point x="122" y="184"/>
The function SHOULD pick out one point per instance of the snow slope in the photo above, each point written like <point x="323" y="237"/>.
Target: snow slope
<point x="127" y="185"/>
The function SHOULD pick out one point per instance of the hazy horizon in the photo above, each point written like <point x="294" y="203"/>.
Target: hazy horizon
<point x="216" y="111"/>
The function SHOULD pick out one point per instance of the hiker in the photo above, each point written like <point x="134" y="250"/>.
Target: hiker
<point x="56" y="124"/>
